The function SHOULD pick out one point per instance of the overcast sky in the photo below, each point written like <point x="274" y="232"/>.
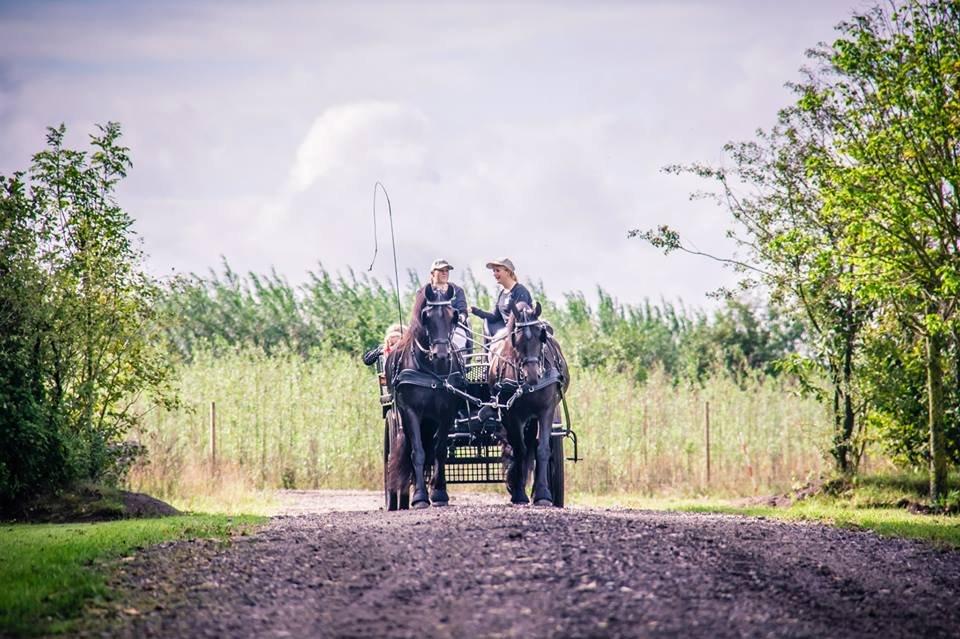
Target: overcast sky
<point x="534" y="131"/>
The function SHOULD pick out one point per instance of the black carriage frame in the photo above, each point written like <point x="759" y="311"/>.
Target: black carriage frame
<point x="475" y="444"/>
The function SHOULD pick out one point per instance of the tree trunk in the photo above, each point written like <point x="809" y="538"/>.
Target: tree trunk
<point x="956" y="376"/>
<point x="840" y="443"/>
<point x="935" y="415"/>
<point x="848" y="426"/>
<point x="848" y="420"/>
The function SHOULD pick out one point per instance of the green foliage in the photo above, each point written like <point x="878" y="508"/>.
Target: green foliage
<point x="50" y="571"/>
<point x="888" y="87"/>
<point x="894" y="380"/>
<point x="32" y="446"/>
<point x="225" y="310"/>
<point x="349" y="314"/>
<point x="774" y="194"/>
<point x="77" y="312"/>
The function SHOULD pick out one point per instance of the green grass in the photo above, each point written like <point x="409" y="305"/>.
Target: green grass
<point x="48" y="572"/>
<point x="874" y="502"/>
<point x="942" y="530"/>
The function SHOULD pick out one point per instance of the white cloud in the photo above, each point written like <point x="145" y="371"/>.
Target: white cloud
<point x="360" y="141"/>
<point x="359" y="134"/>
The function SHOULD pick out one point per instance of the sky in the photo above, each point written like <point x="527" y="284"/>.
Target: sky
<point x="535" y="131"/>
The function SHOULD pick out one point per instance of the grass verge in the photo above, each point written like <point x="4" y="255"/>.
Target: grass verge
<point x="941" y="530"/>
<point x="885" y="504"/>
<point x="49" y="572"/>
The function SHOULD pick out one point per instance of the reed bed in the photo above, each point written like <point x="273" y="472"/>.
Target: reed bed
<point x="284" y="421"/>
<point x="651" y="438"/>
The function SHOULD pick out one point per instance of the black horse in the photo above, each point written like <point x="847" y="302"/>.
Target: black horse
<point x="529" y="373"/>
<point x="417" y="370"/>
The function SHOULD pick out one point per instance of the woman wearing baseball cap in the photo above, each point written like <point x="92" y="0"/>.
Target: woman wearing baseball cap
<point x="511" y="292"/>
<point x="441" y="284"/>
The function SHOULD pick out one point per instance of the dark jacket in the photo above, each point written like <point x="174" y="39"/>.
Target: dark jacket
<point x="459" y="300"/>
<point x="497" y="318"/>
<point x="373" y="355"/>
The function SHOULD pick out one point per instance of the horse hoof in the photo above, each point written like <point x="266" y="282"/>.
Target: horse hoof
<point x="520" y="502"/>
<point x="420" y="505"/>
<point x="441" y="504"/>
<point x="543" y="502"/>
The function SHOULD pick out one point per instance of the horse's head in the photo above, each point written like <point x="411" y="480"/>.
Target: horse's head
<point x="528" y="336"/>
<point x="439" y="319"/>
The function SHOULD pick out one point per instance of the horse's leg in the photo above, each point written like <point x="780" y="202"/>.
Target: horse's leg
<point x="417" y="458"/>
<point x="541" y="485"/>
<point x="439" y="495"/>
<point x="516" y="478"/>
<point x="530" y="452"/>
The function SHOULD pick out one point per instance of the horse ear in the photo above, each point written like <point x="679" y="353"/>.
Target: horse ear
<point x="450" y="293"/>
<point x="429" y="294"/>
<point x="537" y="310"/>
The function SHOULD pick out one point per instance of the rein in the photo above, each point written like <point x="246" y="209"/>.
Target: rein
<point x="444" y="381"/>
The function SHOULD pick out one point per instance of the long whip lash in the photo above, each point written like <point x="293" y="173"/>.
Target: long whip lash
<point x="393" y="241"/>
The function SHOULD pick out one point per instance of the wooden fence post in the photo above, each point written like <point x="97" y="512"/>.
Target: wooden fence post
<point x="706" y="437"/>
<point x="645" y="424"/>
<point x="213" y="437"/>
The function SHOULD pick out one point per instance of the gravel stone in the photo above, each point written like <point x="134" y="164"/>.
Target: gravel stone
<point x="482" y="568"/>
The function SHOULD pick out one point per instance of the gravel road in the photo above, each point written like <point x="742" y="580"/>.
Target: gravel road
<point x="335" y="566"/>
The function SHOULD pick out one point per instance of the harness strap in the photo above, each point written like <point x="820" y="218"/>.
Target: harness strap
<point x="412" y="377"/>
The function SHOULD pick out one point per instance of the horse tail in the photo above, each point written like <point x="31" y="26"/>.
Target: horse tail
<point x="400" y="468"/>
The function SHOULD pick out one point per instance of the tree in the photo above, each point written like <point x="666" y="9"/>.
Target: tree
<point x="856" y="200"/>
<point x="80" y="308"/>
<point x="32" y="449"/>
<point x="891" y="84"/>
<point x="775" y="194"/>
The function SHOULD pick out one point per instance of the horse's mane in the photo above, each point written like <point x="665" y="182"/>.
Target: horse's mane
<point x="415" y="327"/>
<point x="503" y="354"/>
<point x="507" y="350"/>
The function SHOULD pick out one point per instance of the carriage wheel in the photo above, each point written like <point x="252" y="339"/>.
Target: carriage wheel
<point x="555" y="476"/>
<point x="391" y="500"/>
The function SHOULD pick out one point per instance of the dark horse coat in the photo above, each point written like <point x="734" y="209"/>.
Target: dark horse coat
<point x="528" y="359"/>
<point x="417" y="370"/>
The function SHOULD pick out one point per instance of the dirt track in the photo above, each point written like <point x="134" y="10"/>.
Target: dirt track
<point x="479" y="568"/>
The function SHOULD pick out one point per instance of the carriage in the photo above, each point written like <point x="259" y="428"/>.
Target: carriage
<point x="476" y="440"/>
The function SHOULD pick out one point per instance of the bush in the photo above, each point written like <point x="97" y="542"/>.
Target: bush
<point x="76" y="317"/>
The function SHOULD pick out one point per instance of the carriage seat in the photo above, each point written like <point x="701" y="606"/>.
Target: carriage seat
<point x="477" y="367"/>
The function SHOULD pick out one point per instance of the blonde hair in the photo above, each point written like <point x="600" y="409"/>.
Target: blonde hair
<point x="394" y="333"/>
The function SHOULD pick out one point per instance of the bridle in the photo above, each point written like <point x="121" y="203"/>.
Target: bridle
<point x="521" y="363"/>
<point x="431" y="342"/>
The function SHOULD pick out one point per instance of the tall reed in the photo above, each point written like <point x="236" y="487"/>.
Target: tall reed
<point x="652" y="437"/>
<point x="288" y="421"/>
